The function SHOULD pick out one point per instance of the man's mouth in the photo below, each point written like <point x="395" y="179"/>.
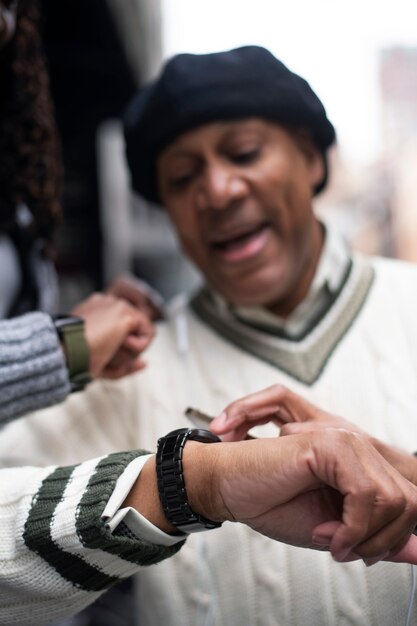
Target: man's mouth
<point x="242" y="246"/>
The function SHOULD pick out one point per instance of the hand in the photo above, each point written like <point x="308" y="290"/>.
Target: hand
<point x="116" y="335"/>
<point x="277" y="404"/>
<point x="140" y="295"/>
<point x="328" y="489"/>
<point x="293" y="415"/>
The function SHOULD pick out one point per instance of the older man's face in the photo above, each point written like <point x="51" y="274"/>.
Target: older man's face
<point x="239" y="195"/>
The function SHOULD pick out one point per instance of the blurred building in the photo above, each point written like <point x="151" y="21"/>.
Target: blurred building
<point x="375" y="207"/>
<point x="398" y="83"/>
<point x="358" y="204"/>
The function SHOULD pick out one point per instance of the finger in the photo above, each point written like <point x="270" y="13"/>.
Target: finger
<point x="277" y="403"/>
<point x="267" y="403"/>
<point x="349" y="534"/>
<point x="324" y="533"/>
<point x="140" y="295"/>
<point x="379" y="506"/>
<point x="134" y="345"/>
<point x="124" y="359"/>
<point x="114" y="373"/>
<point x="241" y="432"/>
<point x="322" y="538"/>
<point x="385" y="524"/>
<point x="408" y="554"/>
<point x="139" y="324"/>
<point x="232" y="435"/>
<point x="391" y="539"/>
<point x="348" y="463"/>
<point x="121" y="359"/>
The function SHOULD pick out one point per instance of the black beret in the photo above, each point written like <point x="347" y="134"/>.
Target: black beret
<point x="193" y="90"/>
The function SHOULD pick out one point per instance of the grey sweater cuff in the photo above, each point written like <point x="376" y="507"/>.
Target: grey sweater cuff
<point x="33" y="372"/>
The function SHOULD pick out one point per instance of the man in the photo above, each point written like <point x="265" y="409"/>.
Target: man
<point x="234" y="145"/>
<point x="55" y="521"/>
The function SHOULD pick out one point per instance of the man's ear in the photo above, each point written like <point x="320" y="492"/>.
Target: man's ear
<point x="312" y="154"/>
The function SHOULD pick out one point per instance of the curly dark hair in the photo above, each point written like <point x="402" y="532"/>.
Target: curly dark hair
<point x="30" y="159"/>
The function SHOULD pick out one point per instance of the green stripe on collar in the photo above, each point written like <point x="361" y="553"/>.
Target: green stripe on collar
<point x="304" y="357"/>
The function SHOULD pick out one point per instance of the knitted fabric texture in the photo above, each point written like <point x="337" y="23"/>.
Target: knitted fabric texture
<point x="232" y="575"/>
<point x="33" y="372"/>
<point x="57" y="553"/>
<point x="304" y="357"/>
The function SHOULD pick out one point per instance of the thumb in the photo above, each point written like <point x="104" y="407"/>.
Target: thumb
<point x="408" y="554"/>
<point x="323" y="535"/>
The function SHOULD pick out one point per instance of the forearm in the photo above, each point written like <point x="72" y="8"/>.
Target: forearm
<point x="33" y="372"/>
<point x="52" y="524"/>
<point x="144" y="498"/>
<point x="312" y="478"/>
<point x="251" y="474"/>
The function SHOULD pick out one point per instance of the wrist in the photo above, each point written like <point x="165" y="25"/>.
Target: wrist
<point x="71" y="335"/>
<point x="171" y="480"/>
<point x="202" y="464"/>
<point x="144" y="498"/>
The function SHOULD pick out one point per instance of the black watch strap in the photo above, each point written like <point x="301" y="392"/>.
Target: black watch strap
<point x="170" y="477"/>
<point x="70" y="331"/>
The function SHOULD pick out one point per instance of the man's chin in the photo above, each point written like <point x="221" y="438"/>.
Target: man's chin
<point x="260" y="286"/>
<point x="258" y="296"/>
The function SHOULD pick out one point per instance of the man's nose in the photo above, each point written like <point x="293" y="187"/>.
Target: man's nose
<point x="219" y="188"/>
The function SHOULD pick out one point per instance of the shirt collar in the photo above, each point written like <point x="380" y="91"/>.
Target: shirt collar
<point x="331" y="270"/>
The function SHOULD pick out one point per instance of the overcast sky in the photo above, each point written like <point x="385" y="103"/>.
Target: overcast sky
<point x="333" y="44"/>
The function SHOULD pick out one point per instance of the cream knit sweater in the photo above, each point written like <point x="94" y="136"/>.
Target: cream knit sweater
<point x="232" y="576"/>
<point x="56" y="553"/>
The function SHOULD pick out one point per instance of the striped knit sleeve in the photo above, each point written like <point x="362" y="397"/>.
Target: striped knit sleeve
<point x="56" y="553"/>
<point x="33" y="373"/>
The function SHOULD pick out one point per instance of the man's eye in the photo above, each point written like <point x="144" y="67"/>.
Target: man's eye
<point x="247" y="156"/>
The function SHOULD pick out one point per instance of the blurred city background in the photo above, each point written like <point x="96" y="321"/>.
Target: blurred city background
<point x="360" y="58"/>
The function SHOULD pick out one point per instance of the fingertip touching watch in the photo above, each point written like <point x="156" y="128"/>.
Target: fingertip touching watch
<point x="70" y="329"/>
<point x="170" y="477"/>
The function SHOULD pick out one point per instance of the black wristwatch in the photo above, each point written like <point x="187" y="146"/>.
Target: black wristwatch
<point x="70" y="331"/>
<point x="171" y="486"/>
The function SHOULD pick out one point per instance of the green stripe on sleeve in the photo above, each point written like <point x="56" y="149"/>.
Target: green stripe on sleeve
<point x="37" y="536"/>
<point x="94" y="534"/>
